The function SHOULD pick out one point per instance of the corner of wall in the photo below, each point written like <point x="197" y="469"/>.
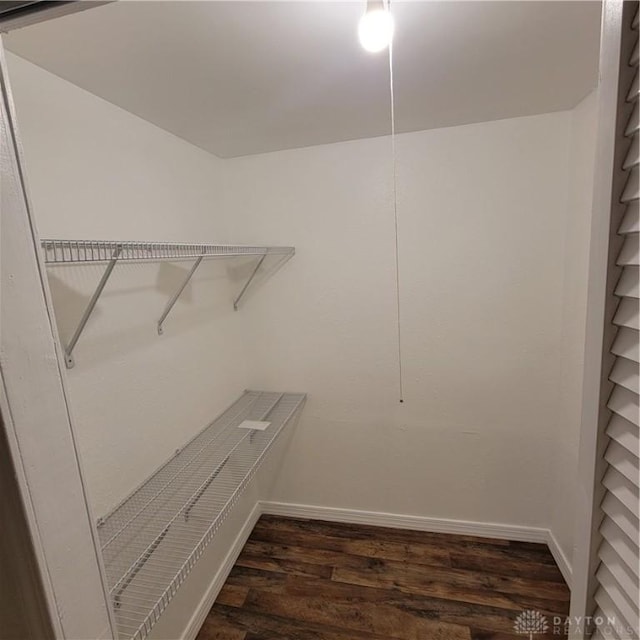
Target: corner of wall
<point x="581" y="158"/>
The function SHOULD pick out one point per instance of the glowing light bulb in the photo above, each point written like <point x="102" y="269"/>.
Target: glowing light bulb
<point x="375" y="30"/>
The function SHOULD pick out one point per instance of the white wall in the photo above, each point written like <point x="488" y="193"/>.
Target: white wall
<point x="576" y="251"/>
<point x="482" y="212"/>
<point x="491" y="324"/>
<point x="98" y="172"/>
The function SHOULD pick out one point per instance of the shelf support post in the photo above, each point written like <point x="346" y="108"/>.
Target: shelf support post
<point x="176" y="295"/>
<point x="68" y="352"/>
<point x="248" y="282"/>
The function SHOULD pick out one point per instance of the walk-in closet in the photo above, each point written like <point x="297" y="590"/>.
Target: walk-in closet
<point x="319" y="320"/>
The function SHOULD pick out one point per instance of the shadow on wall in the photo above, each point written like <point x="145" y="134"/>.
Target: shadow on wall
<point x="125" y="317"/>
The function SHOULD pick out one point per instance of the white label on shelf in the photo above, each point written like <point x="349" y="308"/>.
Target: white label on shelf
<point x="254" y="424"/>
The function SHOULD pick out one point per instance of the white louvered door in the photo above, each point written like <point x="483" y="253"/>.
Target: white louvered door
<point x="618" y="573"/>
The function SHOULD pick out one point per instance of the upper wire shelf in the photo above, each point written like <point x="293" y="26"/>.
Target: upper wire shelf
<point x="110" y="252"/>
<point x="87" y="251"/>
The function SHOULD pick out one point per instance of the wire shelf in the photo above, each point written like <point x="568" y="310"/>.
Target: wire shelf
<point x="152" y="539"/>
<point x="79" y="252"/>
<point x="58" y="252"/>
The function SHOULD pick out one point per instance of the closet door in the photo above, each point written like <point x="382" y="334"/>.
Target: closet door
<point x="618" y="572"/>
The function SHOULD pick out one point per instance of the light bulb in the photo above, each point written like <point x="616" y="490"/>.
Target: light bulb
<point x="375" y="30"/>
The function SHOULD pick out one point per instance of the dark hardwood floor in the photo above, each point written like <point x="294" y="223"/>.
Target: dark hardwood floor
<point x="311" y="580"/>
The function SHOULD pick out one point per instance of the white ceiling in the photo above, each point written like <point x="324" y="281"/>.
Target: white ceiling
<point x="238" y="78"/>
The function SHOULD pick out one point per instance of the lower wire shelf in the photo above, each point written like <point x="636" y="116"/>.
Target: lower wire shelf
<point x="154" y="537"/>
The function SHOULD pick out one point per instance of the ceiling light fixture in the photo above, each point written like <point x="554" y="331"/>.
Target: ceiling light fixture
<point x="376" y="27"/>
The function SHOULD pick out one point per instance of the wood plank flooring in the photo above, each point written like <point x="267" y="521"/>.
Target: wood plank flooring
<point x="312" y="580"/>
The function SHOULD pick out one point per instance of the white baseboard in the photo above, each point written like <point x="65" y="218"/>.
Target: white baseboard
<point x="400" y="521"/>
<point x="559" y="556"/>
<point x="422" y="523"/>
<point x="374" y="518"/>
<point x="198" y="618"/>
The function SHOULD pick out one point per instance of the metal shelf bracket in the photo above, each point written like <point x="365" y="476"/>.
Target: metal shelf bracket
<point x="68" y="352"/>
<point x="177" y="294"/>
<point x="248" y="282"/>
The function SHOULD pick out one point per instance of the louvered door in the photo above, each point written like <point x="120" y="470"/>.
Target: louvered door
<point x="618" y="573"/>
